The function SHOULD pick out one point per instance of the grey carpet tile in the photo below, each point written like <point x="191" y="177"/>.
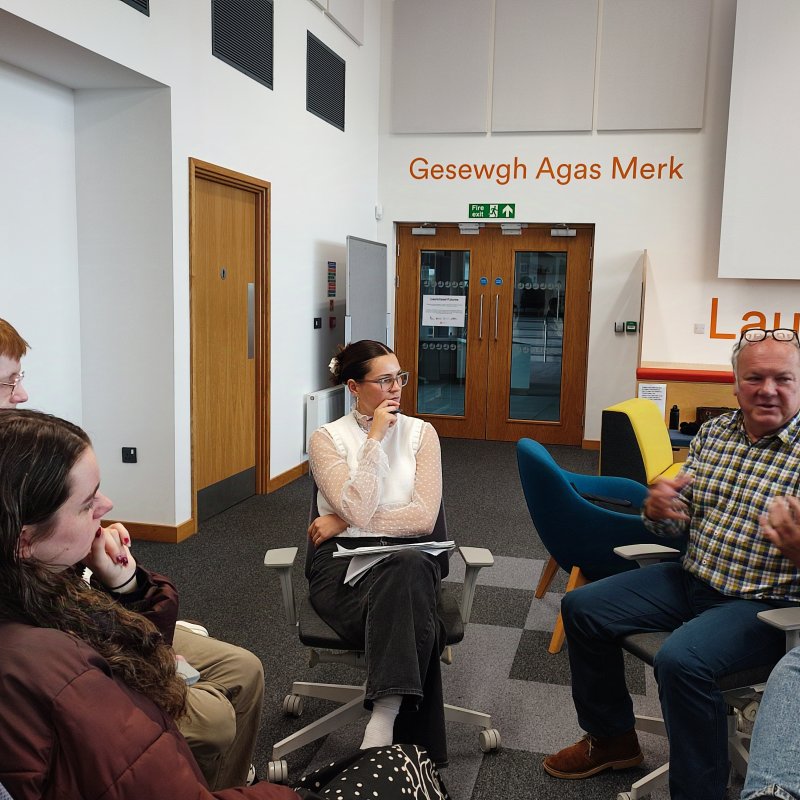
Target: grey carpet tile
<point x="529" y="665"/>
<point x="494" y="605"/>
<point x="508" y="571"/>
<point x="521" y="776"/>
<point x="533" y="663"/>
<point x="543" y="612"/>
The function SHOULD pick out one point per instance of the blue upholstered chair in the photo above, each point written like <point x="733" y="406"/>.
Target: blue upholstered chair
<point x="573" y="516"/>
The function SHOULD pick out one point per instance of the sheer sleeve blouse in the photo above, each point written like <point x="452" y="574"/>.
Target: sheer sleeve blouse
<point x="357" y="499"/>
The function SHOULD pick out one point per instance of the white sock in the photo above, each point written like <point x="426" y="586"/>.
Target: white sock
<point x="380" y="727"/>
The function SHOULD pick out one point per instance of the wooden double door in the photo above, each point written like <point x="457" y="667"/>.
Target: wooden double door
<point x="494" y="330"/>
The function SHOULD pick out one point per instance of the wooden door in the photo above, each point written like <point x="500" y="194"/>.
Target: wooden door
<point x="227" y="304"/>
<point x="517" y="367"/>
<point x="447" y="362"/>
<point x="539" y="345"/>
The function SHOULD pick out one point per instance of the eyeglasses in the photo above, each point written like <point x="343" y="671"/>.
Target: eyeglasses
<point x="778" y="334"/>
<point x="389" y="381"/>
<point x="16" y="381"/>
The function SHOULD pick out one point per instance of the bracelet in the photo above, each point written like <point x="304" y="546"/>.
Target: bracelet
<point x="122" y="585"/>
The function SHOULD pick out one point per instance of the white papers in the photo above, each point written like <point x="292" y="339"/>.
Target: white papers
<point x="442" y="310"/>
<point x="364" y="558"/>
<point x="657" y="392"/>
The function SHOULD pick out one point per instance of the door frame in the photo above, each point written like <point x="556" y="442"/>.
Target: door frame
<point x="262" y="192"/>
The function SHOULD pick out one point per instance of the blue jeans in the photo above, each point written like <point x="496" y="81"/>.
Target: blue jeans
<point x="713" y="635"/>
<point x="774" y="769"/>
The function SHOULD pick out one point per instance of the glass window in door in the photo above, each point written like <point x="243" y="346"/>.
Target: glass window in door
<point x="537" y="335"/>
<point x="442" y="355"/>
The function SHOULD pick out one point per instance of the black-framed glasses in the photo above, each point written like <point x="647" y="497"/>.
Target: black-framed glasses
<point x="389" y="381"/>
<point x="778" y="334"/>
<point x="16" y="381"/>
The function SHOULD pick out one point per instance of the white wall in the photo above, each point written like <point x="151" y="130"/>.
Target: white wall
<point x="676" y="220"/>
<point x="38" y="240"/>
<point x="124" y="191"/>
<point x="324" y="186"/>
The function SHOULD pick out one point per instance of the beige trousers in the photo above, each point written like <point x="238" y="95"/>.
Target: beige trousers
<point x="223" y="707"/>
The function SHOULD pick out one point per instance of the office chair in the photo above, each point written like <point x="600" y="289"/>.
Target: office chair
<point x="573" y="516"/>
<point x="741" y="690"/>
<point x="634" y="442"/>
<point x="327" y="647"/>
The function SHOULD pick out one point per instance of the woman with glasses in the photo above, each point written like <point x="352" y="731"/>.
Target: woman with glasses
<point x="379" y="478"/>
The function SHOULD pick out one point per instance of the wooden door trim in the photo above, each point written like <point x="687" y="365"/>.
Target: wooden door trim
<point x="261" y="190"/>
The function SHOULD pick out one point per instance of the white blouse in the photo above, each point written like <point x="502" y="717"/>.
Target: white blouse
<point x="355" y="495"/>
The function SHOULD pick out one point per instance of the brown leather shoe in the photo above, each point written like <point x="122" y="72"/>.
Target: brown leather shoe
<point x="592" y="755"/>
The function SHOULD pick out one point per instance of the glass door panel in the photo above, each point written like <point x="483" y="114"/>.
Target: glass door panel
<point x="443" y="320"/>
<point x="537" y="335"/>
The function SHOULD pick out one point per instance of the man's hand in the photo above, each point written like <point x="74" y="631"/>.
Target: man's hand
<point x="664" y="501"/>
<point x="781" y="525"/>
<point x="323" y="528"/>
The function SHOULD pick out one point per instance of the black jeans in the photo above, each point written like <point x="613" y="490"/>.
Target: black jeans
<point x="391" y="614"/>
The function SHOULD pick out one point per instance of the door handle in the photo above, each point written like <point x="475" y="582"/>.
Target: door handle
<point x="251" y="320"/>
<point x="480" y="322"/>
<point x="496" y="306"/>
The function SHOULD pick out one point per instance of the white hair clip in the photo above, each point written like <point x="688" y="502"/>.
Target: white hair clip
<point x="334" y="362"/>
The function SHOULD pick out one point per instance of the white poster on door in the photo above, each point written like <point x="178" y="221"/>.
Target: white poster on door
<point x="444" y="310"/>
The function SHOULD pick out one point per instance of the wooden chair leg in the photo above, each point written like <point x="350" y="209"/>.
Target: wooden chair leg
<point x="546" y="578"/>
<point x="576" y="579"/>
<point x="557" y="640"/>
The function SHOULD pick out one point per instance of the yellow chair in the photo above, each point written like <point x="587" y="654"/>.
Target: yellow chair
<point x="634" y="442"/>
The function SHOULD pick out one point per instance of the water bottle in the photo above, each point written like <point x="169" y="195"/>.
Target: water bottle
<point x="674" y="418"/>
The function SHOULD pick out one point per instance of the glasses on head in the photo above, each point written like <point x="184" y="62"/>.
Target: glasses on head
<point x="778" y="334"/>
<point x="389" y="381"/>
<point x="15" y="381"/>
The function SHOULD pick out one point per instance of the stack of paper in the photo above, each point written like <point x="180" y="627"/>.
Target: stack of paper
<point x="363" y="558"/>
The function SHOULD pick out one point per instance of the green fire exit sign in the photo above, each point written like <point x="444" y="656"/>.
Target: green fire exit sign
<point x="492" y="210"/>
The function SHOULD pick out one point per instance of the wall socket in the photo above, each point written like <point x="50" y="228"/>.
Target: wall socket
<point x="128" y="455"/>
<point x="699" y="327"/>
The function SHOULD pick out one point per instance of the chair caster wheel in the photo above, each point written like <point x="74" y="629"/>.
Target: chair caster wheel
<point x="624" y="796"/>
<point x="278" y="771"/>
<point x="489" y="739"/>
<point x="293" y="705"/>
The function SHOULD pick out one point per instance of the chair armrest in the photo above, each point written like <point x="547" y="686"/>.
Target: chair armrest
<point x="646" y="554"/>
<point x="475" y="559"/>
<point x="787" y="620"/>
<point x="282" y="560"/>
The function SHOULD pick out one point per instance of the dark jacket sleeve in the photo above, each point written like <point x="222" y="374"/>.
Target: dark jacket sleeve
<point x="155" y="598"/>
<point x="95" y="738"/>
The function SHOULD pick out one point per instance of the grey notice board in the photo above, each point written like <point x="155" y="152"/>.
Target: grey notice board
<point x="366" y="304"/>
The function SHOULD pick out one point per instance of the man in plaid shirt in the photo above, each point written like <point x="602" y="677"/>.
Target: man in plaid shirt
<point x="738" y="463"/>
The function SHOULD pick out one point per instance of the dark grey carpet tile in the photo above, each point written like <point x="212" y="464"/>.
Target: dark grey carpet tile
<point x="532" y="662"/>
<point x="518" y="775"/>
<point x="494" y="605"/>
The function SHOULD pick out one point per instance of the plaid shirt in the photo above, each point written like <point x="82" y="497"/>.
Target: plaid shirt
<point x="734" y="480"/>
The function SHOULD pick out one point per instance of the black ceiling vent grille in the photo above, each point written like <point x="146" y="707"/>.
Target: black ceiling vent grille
<point x="241" y="35"/>
<point x="139" y="5"/>
<point x="324" y="82"/>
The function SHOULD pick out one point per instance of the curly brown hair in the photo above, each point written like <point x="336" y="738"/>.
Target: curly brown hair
<point x="37" y="453"/>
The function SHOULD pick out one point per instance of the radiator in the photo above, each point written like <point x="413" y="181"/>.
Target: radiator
<point x="323" y="406"/>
